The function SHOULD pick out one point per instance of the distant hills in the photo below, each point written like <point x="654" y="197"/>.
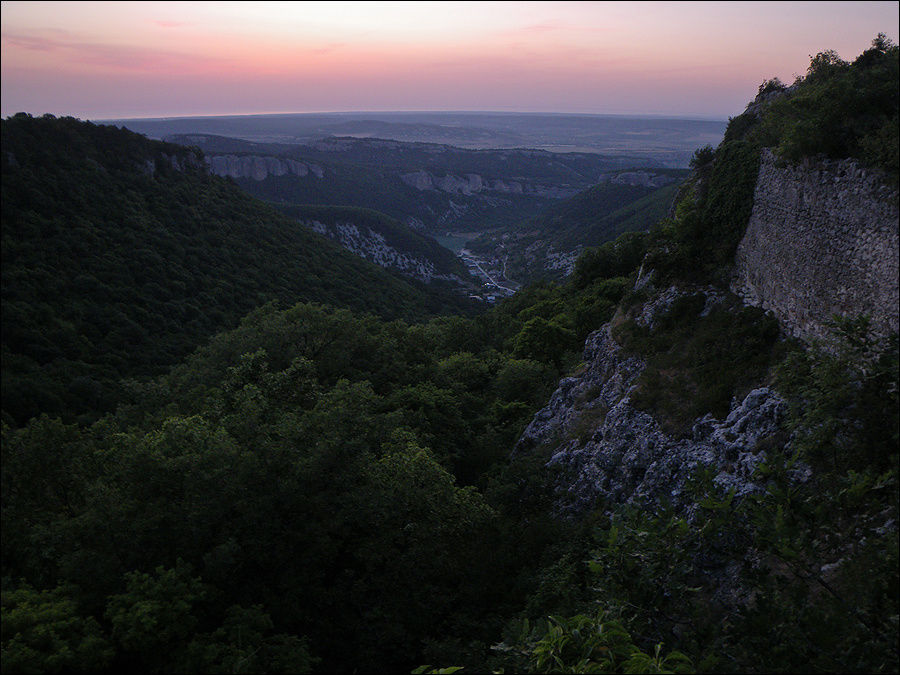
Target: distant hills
<point x="637" y="140"/>
<point x="500" y="180"/>
<point x="432" y="187"/>
<point x="541" y="205"/>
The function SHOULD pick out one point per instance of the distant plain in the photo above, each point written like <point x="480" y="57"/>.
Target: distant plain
<point x="666" y="141"/>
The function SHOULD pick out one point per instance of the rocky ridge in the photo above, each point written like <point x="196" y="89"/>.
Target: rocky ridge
<point x="473" y="183"/>
<point x="642" y="178"/>
<point x="607" y="452"/>
<point x="371" y="245"/>
<point x="259" y="168"/>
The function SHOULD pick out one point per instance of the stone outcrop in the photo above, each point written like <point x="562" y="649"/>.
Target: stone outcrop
<point x="259" y="168"/>
<point x="607" y="452"/>
<point x="641" y="178"/>
<point x="473" y="183"/>
<point x="183" y="162"/>
<point x="371" y="245"/>
<point x="822" y="240"/>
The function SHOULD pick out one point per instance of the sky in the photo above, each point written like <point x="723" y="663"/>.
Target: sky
<point x="104" y="60"/>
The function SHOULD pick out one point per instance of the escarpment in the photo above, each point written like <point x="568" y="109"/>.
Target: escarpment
<point x="259" y="168"/>
<point x="822" y="240"/>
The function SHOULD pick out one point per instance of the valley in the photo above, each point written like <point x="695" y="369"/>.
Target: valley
<point x="506" y="201"/>
<point x="492" y="274"/>
<point x="417" y="392"/>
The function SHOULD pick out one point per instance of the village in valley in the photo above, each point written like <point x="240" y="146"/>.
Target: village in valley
<point x="492" y="274"/>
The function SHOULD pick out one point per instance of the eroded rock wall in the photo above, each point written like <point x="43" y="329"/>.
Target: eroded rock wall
<point x="607" y="452"/>
<point x="259" y="168"/>
<point x="371" y="245"/>
<point x="822" y="240"/>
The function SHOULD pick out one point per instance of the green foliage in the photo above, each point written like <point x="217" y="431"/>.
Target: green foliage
<point x="543" y="340"/>
<point x="44" y="632"/>
<point x="618" y="258"/>
<point x="154" y="614"/>
<point x="121" y="255"/>
<point x="305" y="430"/>
<point x="243" y="644"/>
<point x="828" y="590"/>
<point x="839" y="110"/>
<point x="845" y="400"/>
<point x="705" y="155"/>
<point x="696" y="364"/>
<point x="701" y="242"/>
<point x="594" y="644"/>
<point x="770" y="86"/>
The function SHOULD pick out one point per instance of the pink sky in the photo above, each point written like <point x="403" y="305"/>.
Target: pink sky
<point x="160" y="59"/>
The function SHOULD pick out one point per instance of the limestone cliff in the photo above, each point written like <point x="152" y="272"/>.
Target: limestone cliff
<point x="373" y="246"/>
<point x="642" y="178"/>
<point x="822" y="240"/>
<point x="605" y="451"/>
<point x="259" y="168"/>
<point x="473" y="183"/>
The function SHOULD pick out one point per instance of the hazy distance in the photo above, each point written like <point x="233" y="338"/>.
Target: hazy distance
<point x="668" y="140"/>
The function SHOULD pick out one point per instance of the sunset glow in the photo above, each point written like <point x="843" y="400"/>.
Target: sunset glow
<point x="104" y="60"/>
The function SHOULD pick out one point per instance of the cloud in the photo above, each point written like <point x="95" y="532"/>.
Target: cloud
<point x="327" y="49"/>
<point x="543" y="27"/>
<point x="40" y="44"/>
<point x="171" y="24"/>
<point x="117" y="57"/>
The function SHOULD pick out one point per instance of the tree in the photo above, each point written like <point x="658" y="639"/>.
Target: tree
<point x="543" y="340"/>
<point x="43" y="632"/>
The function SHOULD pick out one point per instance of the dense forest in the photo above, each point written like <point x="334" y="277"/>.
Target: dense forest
<point x="229" y="446"/>
<point x="121" y="255"/>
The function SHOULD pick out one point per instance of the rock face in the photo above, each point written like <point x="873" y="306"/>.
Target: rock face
<point x="473" y="183"/>
<point x="259" y="168"/>
<point x="371" y="245"/>
<point x="188" y="160"/>
<point x="608" y="452"/>
<point x="822" y="240"/>
<point x="642" y="178"/>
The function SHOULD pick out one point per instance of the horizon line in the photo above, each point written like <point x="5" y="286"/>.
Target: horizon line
<point x="695" y="116"/>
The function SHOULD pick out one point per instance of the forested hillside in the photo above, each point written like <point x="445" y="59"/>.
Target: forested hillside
<point x="319" y="490"/>
<point x="380" y="238"/>
<point x="121" y="255"/>
<point x="546" y="245"/>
